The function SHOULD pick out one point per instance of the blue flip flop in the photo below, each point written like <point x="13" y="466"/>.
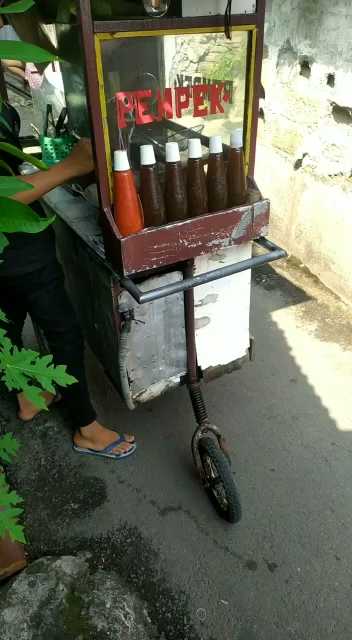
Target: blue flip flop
<point x="108" y="451"/>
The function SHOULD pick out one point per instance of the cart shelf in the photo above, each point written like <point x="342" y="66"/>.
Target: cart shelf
<point x="159" y="247"/>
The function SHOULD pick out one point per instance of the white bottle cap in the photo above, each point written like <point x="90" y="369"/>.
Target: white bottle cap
<point x="215" y="144"/>
<point x="172" y="152"/>
<point x="121" y="162"/>
<point x="147" y="154"/>
<point x="194" y="148"/>
<point x="236" y="139"/>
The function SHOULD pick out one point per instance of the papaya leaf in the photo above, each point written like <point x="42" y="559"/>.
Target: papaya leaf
<point x="8" y="447"/>
<point x="3" y="242"/>
<point x="18" y="7"/>
<point x="35" y="396"/>
<point x="26" y="157"/>
<point x="25" y="52"/>
<point x="25" y="370"/>
<point x="18" y="217"/>
<point x="9" y="186"/>
<point x="9" y="512"/>
<point x="7" y="167"/>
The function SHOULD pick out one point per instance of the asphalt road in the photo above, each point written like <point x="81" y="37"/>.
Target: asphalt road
<point x="285" y="571"/>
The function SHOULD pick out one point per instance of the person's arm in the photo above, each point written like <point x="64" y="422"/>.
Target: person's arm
<point x="14" y="67"/>
<point x="79" y="163"/>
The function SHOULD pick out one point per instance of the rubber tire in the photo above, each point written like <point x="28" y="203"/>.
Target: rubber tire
<point x="233" y="513"/>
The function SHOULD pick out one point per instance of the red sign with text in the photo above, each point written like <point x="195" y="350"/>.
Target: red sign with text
<point x="201" y="100"/>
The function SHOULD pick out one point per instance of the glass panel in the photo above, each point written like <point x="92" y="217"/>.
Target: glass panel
<point x="172" y="87"/>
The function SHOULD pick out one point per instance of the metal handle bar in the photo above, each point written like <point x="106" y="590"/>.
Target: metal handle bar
<point x="275" y="253"/>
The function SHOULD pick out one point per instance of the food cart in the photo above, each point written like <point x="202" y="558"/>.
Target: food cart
<point x="168" y="305"/>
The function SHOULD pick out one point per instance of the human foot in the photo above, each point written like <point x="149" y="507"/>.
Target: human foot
<point x="95" y="437"/>
<point x="28" y="410"/>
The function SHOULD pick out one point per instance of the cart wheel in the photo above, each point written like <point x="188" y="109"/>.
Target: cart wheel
<point x="219" y="482"/>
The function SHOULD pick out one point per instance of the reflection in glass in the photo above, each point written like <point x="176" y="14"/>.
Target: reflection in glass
<point x="156" y="8"/>
<point x="169" y="88"/>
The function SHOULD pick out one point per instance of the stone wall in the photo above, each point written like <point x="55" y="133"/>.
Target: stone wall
<point x="304" y="157"/>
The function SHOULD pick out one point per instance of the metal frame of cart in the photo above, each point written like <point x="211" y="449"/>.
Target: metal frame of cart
<point x="135" y="257"/>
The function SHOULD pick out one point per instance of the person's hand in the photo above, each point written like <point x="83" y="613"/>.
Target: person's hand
<point x="81" y="160"/>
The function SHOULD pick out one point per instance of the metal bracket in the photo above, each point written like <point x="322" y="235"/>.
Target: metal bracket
<point x="275" y="253"/>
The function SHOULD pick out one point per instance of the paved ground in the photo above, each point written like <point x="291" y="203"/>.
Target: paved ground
<point x="285" y="570"/>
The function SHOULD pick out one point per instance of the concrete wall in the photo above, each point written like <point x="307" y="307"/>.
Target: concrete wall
<point x="304" y="158"/>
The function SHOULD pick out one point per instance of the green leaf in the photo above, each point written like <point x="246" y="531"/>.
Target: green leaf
<point x="17" y="217"/>
<point x="7" y="167"/>
<point x="5" y="124"/>
<point x="25" y="52"/>
<point x="35" y="395"/>
<point x="9" y="186"/>
<point x="25" y="370"/>
<point x="18" y="7"/>
<point x="3" y="317"/>
<point x="3" y="242"/>
<point x="26" y="157"/>
<point x="8" y="447"/>
<point x="9" y="513"/>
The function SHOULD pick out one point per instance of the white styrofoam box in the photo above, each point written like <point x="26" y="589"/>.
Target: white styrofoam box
<point x="222" y="310"/>
<point x="192" y="8"/>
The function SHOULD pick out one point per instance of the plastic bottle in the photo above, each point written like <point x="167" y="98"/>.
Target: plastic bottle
<point x="196" y="183"/>
<point x="151" y="195"/>
<point x="237" y="181"/>
<point x="128" y="212"/>
<point x="175" y="188"/>
<point x="216" y="176"/>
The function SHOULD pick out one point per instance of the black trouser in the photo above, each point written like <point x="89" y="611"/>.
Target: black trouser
<point x="42" y="294"/>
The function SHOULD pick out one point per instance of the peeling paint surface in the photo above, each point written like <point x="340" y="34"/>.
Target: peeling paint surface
<point x="157" y="389"/>
<point x="157" y="343"/>
<point x="225" y="336"/>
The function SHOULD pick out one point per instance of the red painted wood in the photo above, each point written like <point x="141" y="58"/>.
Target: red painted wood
<point x="154" y="248"/>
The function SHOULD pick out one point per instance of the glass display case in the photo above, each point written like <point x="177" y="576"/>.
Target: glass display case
<point x="131" y="81"/>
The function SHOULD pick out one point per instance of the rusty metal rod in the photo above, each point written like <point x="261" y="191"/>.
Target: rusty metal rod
<point x="275" y="253"/>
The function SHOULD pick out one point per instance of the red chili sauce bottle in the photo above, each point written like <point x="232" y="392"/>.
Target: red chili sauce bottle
<point x="128" y="212"/>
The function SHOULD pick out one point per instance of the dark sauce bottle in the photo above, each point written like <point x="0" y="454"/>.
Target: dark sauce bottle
<point x="216" y="176"/>
<point x="150" y="191"/>
<point x="175" y="188"/>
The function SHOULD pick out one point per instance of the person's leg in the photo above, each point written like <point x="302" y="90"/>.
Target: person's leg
<point x="14" y="307"/>
<point x="50" y="308"/>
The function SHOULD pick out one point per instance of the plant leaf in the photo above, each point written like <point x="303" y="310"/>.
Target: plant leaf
<point x="7" y="167"/>
<point x="25" y="52"/>
<point x="3" y="317"/>
<point x="26" y="157"/>
<point x="9" y="512"/>
<point x="17" y="217"/>
<point x="8" y="447"/>
<point x="18" y="7"/>
<point x="9" y="186"/>
<point x="3" y="242"/>
<point x="23" y="370"/>
<point x="4" y="122"/>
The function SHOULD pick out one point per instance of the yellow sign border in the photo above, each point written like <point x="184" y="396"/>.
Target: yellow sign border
<point x="103" y="37"/>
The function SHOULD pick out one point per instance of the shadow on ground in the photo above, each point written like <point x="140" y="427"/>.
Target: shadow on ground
<point x="284" y="571"/>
